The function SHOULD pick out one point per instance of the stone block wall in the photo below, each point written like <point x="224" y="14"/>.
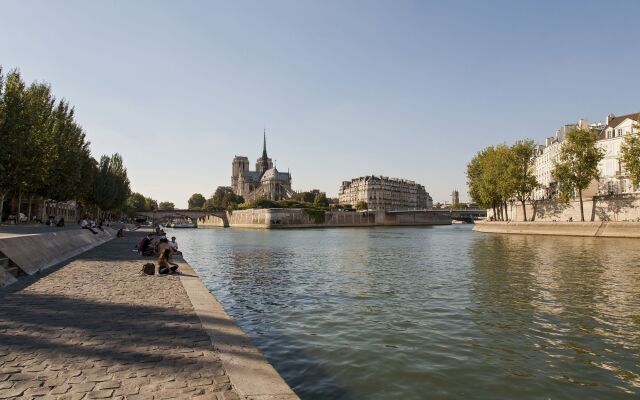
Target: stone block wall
<point x="277" y="218"/>
<point x="598" y="208"/>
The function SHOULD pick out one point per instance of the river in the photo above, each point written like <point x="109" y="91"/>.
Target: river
<point x="431" y="313"/>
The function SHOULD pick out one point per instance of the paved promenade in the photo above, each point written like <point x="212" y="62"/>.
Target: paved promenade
<point x="97" y="328"/>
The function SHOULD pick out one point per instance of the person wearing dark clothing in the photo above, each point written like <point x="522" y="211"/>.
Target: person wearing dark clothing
<point x="164" y="265"/>
<point x="60" y="223"/>
<point x="145" y="246"/>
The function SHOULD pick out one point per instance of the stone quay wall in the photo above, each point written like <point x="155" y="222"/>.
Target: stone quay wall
<point x="33" y="253"/>
<point x="282" y="218"/>
<point x="592" y="229"/>
<point x="598" y="208"/>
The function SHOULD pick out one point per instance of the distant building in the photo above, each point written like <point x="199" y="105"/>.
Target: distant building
<point x="549" y="154"/>
<point x="383" y="193"/>
<point x="266" y="182"/>
<point x="613" y="177"/>
<point x="455" y="198"/>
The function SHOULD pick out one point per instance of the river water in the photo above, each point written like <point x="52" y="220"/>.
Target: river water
<point x="431" y="313"/>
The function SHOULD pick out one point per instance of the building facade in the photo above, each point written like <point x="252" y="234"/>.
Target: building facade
<point x="549" y="154"/>
<point x="455" y="198"/>
<point x="266" y="182"/>
<point x="613" y="177"/>
<point x="384" y="193"/>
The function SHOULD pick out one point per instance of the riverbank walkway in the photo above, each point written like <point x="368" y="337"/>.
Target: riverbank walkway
<point x="95" y="327"/>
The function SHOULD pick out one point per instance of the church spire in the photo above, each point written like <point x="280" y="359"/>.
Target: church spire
<point x="265" y="160"/>
<point x="264" y="145"/>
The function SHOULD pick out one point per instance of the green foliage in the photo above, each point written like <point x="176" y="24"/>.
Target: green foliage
<point x="45" y="152"/>
<point x="630" y="156"/>
<point x="196" y="201"/>
<point x="223" y="199"/>
<point x="488" y="176"/>
<point x="578" y="166"/>
<point x="362" y="205"/>
<point x="138" y="202"/>
<point x="166" y="206"/>
<point x="317" y="216"/>
<point x="320" y="200"/>
<point x="306" y="197"/>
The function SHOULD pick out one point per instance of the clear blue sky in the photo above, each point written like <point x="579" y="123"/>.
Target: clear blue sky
<point x="345" y="88"/>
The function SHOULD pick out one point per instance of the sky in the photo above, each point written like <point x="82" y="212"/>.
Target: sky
<point x="408" y="89"/>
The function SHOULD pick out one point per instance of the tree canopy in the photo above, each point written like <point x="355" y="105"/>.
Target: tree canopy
<point x="196" y="201"/>
<point x="630" y="155"/>
<point x="166" y="206"/>
<point x="45" y="152"/>
<point x="578" y="166"/>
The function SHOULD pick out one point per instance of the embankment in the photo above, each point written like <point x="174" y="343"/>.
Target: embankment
<point x="593" y="229"/>
<point x="35" y="252"/>
<point x="283" y="218"/>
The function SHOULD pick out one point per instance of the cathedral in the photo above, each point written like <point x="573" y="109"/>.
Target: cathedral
<point x="266" y="182"/>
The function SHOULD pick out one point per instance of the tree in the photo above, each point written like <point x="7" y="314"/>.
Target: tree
<point x="630" y="156"/>
<point x="137" y="202"/>
<point x="223" y="199"/>
<point x="362" y="205"/>
<point x="166" y="206"/>
<point x="320" y="200"/>
<point x="489" y="179"/>
<point x="196" y="201"/>
<point x="578" y="166"/>
<point x="306" y="197"/>
<point x="521" y="169"/>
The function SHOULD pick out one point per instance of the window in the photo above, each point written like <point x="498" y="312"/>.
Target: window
<point x="620" y="132"/>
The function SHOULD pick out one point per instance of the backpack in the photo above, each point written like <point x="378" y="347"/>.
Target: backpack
<point x="149" y="269"/>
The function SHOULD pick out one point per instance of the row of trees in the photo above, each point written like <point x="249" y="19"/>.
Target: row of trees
<point x="502" y="173"/>
<point x="44" y="153"/>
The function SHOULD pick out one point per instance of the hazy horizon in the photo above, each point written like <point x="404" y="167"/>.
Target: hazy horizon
<point x="345" y="89"/>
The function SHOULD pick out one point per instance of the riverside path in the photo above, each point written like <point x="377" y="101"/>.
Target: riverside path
<point x="95" y="327"/>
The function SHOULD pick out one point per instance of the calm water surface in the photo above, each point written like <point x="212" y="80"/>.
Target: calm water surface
<point x="421" y="313"/>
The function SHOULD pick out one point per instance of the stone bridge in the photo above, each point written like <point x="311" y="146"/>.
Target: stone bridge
<point x="195" y="215"/>
<point x="468" y="215"/>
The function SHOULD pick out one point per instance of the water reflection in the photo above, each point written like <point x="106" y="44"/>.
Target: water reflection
<point x="432" y="313"/>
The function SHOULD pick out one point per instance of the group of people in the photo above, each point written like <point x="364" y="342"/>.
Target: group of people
<point x="162" y="247"/>
<point x="91" y="225"/>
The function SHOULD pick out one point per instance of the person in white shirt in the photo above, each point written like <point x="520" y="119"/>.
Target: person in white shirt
<point x="174" y="245"/>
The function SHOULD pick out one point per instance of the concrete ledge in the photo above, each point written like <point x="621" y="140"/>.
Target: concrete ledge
<point x="36" y="252"/>
<point x="590" y="229"/>
<point x="250" y="373"/>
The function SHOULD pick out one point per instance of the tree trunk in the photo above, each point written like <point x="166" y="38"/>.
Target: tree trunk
<point x="581" y="206"/>
<point x="505" y="210"/>
<point x="30" y="203"/>
<point x="2" y="196"/>
<point x="19" y="204"/>
<point x="524" y="210"/>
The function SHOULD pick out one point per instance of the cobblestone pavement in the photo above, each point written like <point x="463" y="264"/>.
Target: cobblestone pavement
<point x="97" y="328"/>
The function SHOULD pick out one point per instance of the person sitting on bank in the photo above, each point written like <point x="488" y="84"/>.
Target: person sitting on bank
<point x="174" y="245"/>
<point x="60" y="223"/>
<point x="120" y="233"/>
<point x="163" y="244"/>
<point x="145" y="247"/>
<point x="164" y="265"/>
<point x="84" y="224"/>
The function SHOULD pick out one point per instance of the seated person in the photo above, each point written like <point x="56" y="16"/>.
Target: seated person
<point x="145" y="247"/>
<point x="163" y="245"/>
<point x="174" y="245"/>
<point x="164" y="265"/>
<point x="60" y="223"/>
<point x="120" y="233"/>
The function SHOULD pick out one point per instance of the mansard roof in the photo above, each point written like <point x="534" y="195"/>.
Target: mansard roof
<point x="615" y="121"/>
